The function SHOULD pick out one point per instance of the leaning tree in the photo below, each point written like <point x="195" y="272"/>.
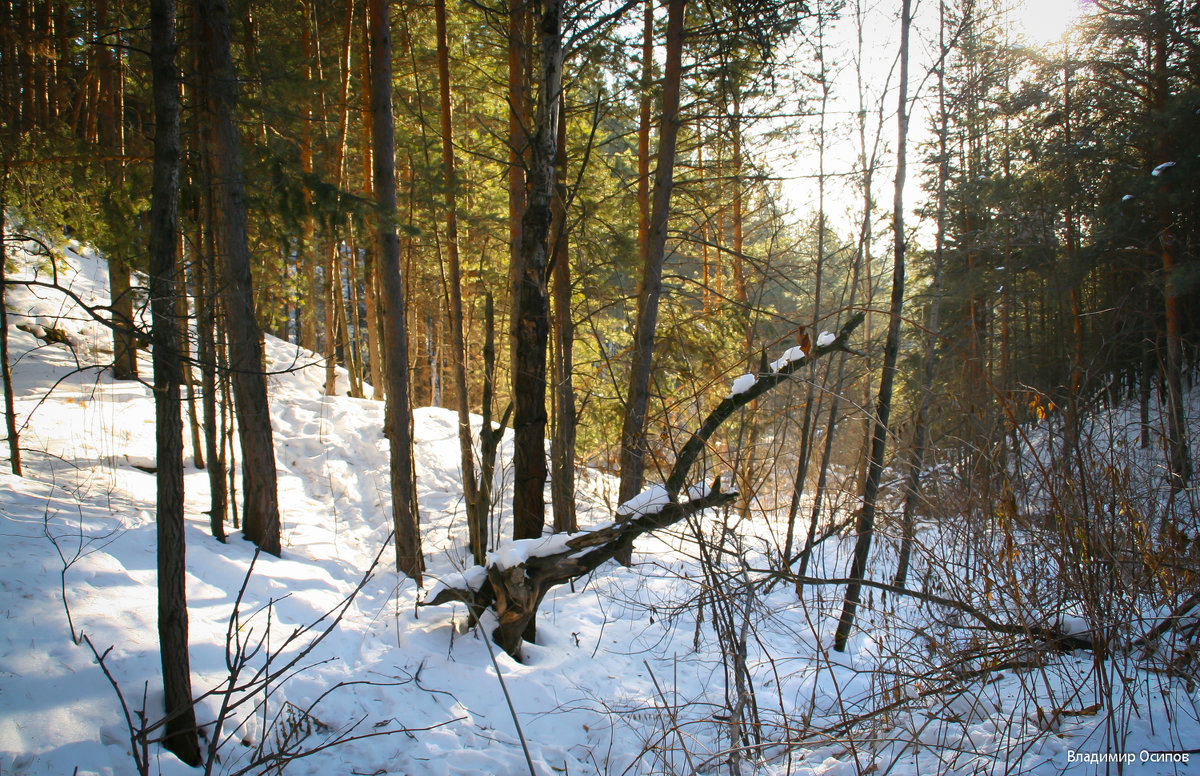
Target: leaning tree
<point x="518" y="574"/>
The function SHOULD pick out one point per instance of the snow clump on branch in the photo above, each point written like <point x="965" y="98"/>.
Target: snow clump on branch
<point x="648" y="502"/>
<point x="741" y="385"/>
<point x="794" y="353"/>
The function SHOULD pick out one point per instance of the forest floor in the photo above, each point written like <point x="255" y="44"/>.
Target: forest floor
<point x="635" y="670"/>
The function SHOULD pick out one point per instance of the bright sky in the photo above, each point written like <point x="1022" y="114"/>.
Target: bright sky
<point x="1040" y="22"/>
<point x="1046" y="21"/>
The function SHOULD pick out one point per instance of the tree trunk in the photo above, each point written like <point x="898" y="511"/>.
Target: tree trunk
<point x="1177" y="442"/>
<point x="562" y="446"/>
<point x="27" y="117"/>
<point x="189" y="379"/>
<point x="454" y="292"/>
<point x="307" y="249"/>
<point x="865" y="526"/>
<point x="1145" y="374"/>
<point x="912" y="484"/>
<point x="646" y="102"/>
<point x="808" y="426"/>
<point x="1179" y="459"/>
<point x="354" y="343"/>
<point x="165" y="289"/>
<point x="489" y="438"/>
<point x="331" y="291"/>
<point x="371" y="279"/>
<point x="533" y="307"/>
<point x="351" y="345"/>
<point x="120" y="290"/>
<point x="124" y="344"/>
<point x="633" y="431"/>
<point x="206" y="352"/>
<point x="518" y="145"/>
<point x="41" y="74"/>
<point x="10" y="413"/>
<point x="213" y="441"/>
<point x="260" y="507"/>
<point x="398" y="412"/>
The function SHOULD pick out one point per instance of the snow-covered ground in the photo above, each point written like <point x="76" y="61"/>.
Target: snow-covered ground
<point x="629" y="674"/>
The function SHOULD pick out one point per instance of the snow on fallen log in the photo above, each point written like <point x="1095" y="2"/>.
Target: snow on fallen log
<point x="520" y="573"/>
<point x="652" y="499"/>
<point x="587" y="548"/>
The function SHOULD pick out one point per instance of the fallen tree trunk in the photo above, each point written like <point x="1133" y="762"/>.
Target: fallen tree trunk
<point x="518" y="574"/>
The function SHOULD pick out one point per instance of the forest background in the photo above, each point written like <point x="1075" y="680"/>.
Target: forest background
<point x="607" y="178"/>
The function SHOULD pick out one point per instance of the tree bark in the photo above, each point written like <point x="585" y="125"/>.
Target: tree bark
<point x="518" y="146"/>
<point x="260" y="507"/>
<point x="121" y="304"/>
<point x="645" y="103"/>
<point x="633" y="431"/>
<point x="808" y="425"/>
<point x="10" y="413"/>
<point x="110" y="131"/>
<point x="912" y="482"/>
<point x="307" y="249"/>
<point x="562" y="445"/>
<point x="533" y="307"/>
<point x="185" y="352"/>
<point x="458" y="346"/>
<point x="1177" y="442"/>
<point x="181" y="731"/>
<point x="205" y="294"/>
<point x="865" y="526"/>
<point x="1179" y="458"/>
<point x="489" y="438"/>
<point x="371" y="279"/>
<point x="398" y="412"/>
<point x="351" y="352"/>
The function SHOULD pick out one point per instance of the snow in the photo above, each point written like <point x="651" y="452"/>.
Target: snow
<point x="825" y="339"/>
<point x="468" y="579"/>
<point x="741" y="385"/>
<point x="1074" y="625"/>
<point x="1127" y="197"/>
<point x="792" y="354"/>
<point x="515" y="553"/>
<point x="1159" y="170"/>
<point x="624" y="660"/>
<point x="648" y="502"/>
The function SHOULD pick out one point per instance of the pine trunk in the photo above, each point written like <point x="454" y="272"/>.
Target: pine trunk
<point x="562" y="445"/>
<point x="165" y="289"/>
<point x="518" y="145"/>
<point x="260" y="506"/>
<point x="865" y="524"/>
<point x="454" y="293"/>
<point x="10" y="413"/>
<point x="633" y="432"/>
<point x="206" y="351"/>
<point x="533" y="304"/>
<point x="371" y="278"/>
<point x="811" y="412"/>
<point x="307" y="249"/>
<point x="1179" y="458"/>
<point x="109" y="126"/>
<point x="912" y="483"/>
<point x="398" y="412"/>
